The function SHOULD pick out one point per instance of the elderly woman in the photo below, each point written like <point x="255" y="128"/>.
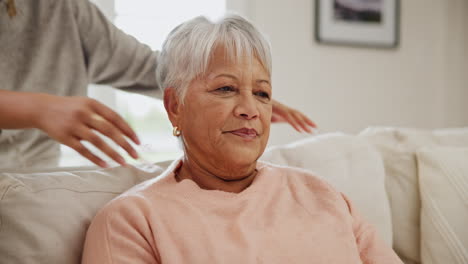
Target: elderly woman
<point x="217" y="204"/>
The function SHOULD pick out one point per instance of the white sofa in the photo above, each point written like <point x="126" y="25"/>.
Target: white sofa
<point x="411" y="184"/>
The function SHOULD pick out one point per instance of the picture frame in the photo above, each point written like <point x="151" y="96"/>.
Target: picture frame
<point x="368" y="23"/>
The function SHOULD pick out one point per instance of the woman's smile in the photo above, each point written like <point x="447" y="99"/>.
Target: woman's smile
<point x="247" y="134"/>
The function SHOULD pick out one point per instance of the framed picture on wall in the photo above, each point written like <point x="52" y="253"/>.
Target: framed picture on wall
<point x="373" y="23"/>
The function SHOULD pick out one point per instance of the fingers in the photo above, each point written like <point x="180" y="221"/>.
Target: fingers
<point x="112" y="117"/>
<point x="301" y="120"/>
<point x="296" y="119"/>
<point x="78" y="147"/>
<point x="79" y="118"/>
<point x="108" y="129"/>
<point x="293" y="122"/>
<point x="277" y="118"/>
<point x="87" y="134"/>
<point x="308" y="121"/>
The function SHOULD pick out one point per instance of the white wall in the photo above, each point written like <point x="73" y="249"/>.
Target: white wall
<point x="456" y="97"/>
<point x="423" y="83"/>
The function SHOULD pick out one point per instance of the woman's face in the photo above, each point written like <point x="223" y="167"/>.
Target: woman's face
<point x="225" y="118"/>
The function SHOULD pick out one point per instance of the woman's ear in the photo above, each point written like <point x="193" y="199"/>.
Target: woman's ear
<point x="172" y="105"/>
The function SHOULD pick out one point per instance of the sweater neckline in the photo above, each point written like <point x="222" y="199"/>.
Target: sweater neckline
<point x="189" y="189"/>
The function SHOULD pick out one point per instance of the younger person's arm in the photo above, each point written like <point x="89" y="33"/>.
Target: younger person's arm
<point x="68" y="120"/>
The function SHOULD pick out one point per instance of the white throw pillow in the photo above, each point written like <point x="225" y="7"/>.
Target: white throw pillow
<point x="350" y="164"/>
<point x="398" y="148"/>
<point x="443" y="178"/>
<point x="44" y="216"/>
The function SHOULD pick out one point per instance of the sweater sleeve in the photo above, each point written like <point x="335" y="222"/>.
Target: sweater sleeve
<point x="113" y="57"/>
<point x="120" y="234"/>
<point x="372" y="249"/>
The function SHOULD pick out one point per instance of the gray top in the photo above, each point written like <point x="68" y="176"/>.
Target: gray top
<point x="59" y="47"/>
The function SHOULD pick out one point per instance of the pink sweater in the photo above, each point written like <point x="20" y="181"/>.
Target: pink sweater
<point x="286" y="216"/>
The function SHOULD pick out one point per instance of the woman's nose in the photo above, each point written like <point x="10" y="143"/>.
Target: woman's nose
<point x="247" y="108"/>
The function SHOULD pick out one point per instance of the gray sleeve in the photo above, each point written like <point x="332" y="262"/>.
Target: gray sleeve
<point x="113" y="57"/>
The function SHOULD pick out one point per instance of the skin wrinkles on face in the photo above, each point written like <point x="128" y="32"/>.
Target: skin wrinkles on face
<point x="213" y="76"/>
<point x="230" y="97"/>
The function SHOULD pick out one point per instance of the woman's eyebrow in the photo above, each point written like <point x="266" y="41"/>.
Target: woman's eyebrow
<point x="261" y="81"/>
<point x="226" y="75"/>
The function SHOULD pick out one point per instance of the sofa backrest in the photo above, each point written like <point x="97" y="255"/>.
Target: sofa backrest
<point x="44" y="215"/>
<point x="398" y="148"/>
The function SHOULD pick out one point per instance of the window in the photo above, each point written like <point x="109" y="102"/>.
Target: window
<point x="149" y="21"/>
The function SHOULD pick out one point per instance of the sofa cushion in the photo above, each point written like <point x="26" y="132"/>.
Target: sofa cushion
<point x="443" y="181"/>
<point x="350" y="164"/>
<point x="398" y="147"/>
<point x="44" y="215"/>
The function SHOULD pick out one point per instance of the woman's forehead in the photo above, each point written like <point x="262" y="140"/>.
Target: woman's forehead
<point x="225" y="55"/>
<point x="237" y="70"/>
<point x="222" y="63"/>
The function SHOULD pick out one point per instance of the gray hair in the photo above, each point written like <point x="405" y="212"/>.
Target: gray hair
<point x="187" y="50"/>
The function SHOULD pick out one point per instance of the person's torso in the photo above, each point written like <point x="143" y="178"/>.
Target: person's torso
<point x="284" y="224"/>
<point x="40" y="52"/>
<point x="41" y="49"/>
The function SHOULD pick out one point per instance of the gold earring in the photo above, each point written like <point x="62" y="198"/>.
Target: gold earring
<point x="175" y="131"/>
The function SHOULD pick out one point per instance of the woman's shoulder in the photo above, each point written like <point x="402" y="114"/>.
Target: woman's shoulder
<point x="309" y="189"/>
<point x="296" y="175"/>
<point x="303" y="181"/>
<point x="142" y="198"/>
<point x="136" y="199"/>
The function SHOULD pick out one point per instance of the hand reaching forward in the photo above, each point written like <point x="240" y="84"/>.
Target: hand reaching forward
<point x="283" y="113"/>
<point x="70" y="120"/>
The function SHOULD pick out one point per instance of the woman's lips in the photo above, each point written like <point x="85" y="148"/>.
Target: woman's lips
<point x="247" y="133"/>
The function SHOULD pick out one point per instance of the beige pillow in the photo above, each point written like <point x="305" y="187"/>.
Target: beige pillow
<point x="398" y="148"/>
<point x="443" y="177"/>
<point x="350" y="164"/>
<point x="44" y="215"/>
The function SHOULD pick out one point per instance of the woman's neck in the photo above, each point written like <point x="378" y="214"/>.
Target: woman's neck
<point x="235" y="180"/>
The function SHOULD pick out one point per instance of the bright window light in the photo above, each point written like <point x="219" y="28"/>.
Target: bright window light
<point x="150" y="21"/>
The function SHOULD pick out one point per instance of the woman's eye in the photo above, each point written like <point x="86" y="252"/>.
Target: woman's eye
<point x="225" y="89"/>
<point x="263" y="95"/>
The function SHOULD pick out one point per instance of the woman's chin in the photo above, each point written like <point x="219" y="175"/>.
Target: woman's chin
<point x="241" y="156"/>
